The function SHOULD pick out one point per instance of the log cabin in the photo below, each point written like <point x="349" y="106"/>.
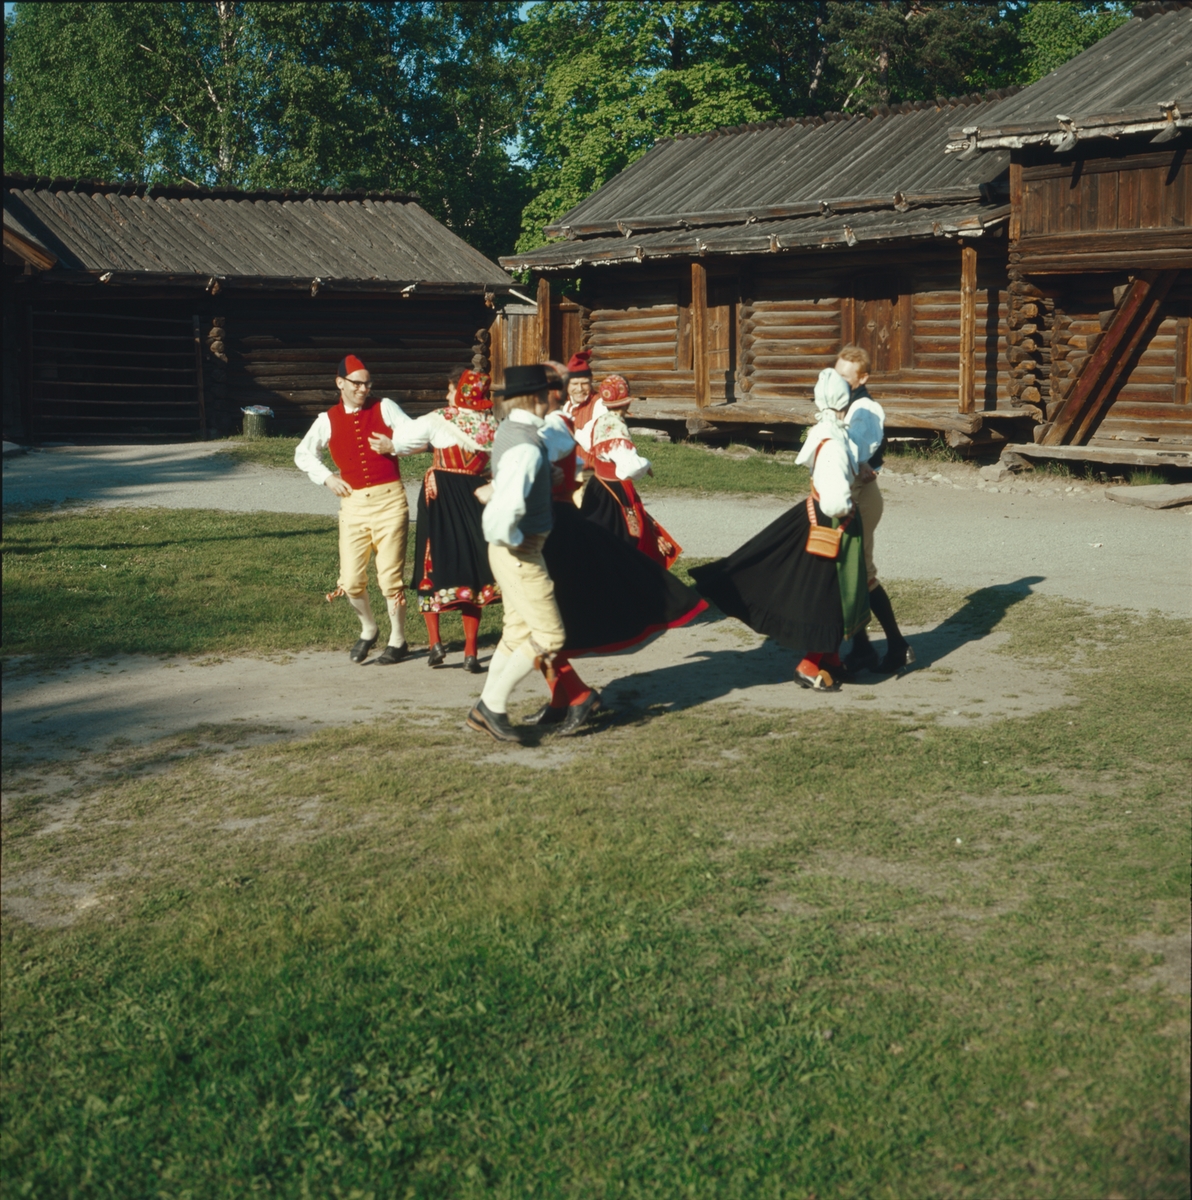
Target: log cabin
<point x="134" y="312"/>
<point x="1100" y="244"/>
<point x="722" y="271"/>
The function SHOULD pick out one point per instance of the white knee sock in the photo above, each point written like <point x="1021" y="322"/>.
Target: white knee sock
<point x="505" y="672"/>
<point x="397" y="620"/>
<point x="368" y="623"/>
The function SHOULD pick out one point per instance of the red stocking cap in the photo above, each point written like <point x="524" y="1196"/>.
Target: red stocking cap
<point x="348" y="365"/>
<point x="580" y="366"/>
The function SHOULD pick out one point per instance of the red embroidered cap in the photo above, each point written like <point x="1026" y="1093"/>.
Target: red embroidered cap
<point x="472" y="390"/>
<point x="614" y="391"/>
<point x="348" y="365"/>
<point x="579" y="366"/>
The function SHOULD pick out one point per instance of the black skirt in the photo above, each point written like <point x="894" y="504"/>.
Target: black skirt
<point x="610" y="595"/>
<point x="774" y="586"/>
<point x="450" y="553"/>
<point x="604" y="504"/>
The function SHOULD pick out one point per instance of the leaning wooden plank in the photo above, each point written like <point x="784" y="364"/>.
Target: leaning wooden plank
<point x="1136" y="318"/>
<point x="1160" y="495"/>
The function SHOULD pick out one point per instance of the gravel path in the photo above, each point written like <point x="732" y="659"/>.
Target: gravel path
<point x="941" y="523"/>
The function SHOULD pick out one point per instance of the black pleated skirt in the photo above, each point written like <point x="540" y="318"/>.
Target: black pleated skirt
<point x="774" y="586"/>
<point x="604" y="504"/>
<point x="450" y="553"/>
<point x="610" y="595"/>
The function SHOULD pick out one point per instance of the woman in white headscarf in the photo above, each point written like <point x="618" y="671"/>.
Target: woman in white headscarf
<point x="802" y="579"/>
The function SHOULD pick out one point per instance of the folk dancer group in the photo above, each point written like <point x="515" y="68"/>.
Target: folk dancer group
<point x="561" y="539"/>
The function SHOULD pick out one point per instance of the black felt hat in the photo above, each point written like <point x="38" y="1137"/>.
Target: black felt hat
<point x="523" y="381"/>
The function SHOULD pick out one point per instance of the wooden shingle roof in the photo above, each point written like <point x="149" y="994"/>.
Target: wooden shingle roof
<point x="181" y="235"/>
<point x="735" y="187"/>
<point x="1135" y="81"/>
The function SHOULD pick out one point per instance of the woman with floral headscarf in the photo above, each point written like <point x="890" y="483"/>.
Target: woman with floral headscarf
<point x="802" y="580"/>
<point x="451" y="568"/>
<point x="610" y="499"/>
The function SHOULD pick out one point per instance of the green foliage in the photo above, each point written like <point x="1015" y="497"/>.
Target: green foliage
<point x="410" y="96"/>
<point x="1053" y="31"/>
<point x="615" y="78"/>
<point x="500" y="116"/>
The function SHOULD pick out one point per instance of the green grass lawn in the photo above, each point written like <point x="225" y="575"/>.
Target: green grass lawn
<point x="686" y="466"/>
<point x="713" y="953"/>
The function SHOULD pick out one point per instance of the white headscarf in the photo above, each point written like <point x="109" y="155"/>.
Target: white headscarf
<point x="831" y="399"/>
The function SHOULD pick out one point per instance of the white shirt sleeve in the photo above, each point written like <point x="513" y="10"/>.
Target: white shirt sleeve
<point x="411" y="435"/>
<point x="394" y="416"/>
<point x="832" y="478"/>
<point x="629" y="464"/>
<point x="555" y="437"/>
<point x="866" y="427"/>
<point x="308" y="455"/>
<point x="511" y="486"/>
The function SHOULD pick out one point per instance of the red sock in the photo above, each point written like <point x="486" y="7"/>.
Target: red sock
<point x="471" y="618"/>
<point x="831" y="661"/>
<point x="432" y="627"/>
<point x="810" y="665"/>
<point x="569" y="688"/>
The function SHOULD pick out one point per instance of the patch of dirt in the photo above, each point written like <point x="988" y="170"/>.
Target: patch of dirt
<point x="1174" y="973"/>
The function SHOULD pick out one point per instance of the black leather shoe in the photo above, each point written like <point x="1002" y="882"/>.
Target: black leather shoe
<point x="577" y="714"/>
<point x="898" y="657"/>
<point x="546" y="716"/>
<point x="472" y="665"/>
<point x="496" y="725"/>
<point x="437" y="656"/>
<point x="393" y="654"/>
<point x="359" y="651"/>
<point x="862" y="657"/>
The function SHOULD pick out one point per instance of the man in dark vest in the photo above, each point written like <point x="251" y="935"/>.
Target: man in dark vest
<point x="517" y="521"/>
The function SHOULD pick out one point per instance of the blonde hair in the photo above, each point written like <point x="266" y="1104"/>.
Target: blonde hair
<point x="855" y="354"/>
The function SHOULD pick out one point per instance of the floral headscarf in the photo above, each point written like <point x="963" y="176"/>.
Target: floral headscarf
<point x="472" y="390"/>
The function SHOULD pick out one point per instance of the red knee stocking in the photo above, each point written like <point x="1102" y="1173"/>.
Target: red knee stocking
<point x="432" y="627"/>
<point x="471" y="618"/>
<point x="810" y="665"/>
<point x="569" y="687"/>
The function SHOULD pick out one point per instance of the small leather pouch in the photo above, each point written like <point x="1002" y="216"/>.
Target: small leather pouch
<point x="822" y="540"/>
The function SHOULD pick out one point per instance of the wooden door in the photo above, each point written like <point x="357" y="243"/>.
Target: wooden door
<point x="879" y="322"/>
<point x="722" y="341"/>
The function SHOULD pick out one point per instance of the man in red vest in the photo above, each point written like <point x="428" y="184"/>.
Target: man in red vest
<point x="374" y="517"/>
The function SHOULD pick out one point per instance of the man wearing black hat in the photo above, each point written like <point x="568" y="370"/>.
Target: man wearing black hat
<point x="517" y="521"/>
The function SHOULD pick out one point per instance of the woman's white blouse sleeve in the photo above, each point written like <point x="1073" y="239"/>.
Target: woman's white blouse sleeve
<point x="833" y="478"/>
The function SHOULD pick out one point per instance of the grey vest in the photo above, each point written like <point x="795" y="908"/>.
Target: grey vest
<point x="538" y="514"/>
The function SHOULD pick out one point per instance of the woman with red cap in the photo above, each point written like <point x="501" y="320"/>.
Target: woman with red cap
<point x="610" y="499"/>
<point x="451" y="566"/>
<point x="374" y="518"/>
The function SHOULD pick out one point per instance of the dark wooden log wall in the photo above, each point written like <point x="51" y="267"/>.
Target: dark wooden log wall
<point x="1125" y="212"/>
<point x="284" y="353"/>
<point x="111" y="368"/>
<point x="641" y="332"/>
<point x="772" y="329"/>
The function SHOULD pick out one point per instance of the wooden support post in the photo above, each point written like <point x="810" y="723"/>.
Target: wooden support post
<point x="699" y="333"/>
<point x="968" y="326"/>
<point x="198" y="332"/>
<point x="1137" y="316"/>
<point x="543" y="318"/>
<point x="1015" y="202"/>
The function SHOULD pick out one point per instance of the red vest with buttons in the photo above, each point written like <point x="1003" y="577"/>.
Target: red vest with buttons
<point x="359" y="464"/>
